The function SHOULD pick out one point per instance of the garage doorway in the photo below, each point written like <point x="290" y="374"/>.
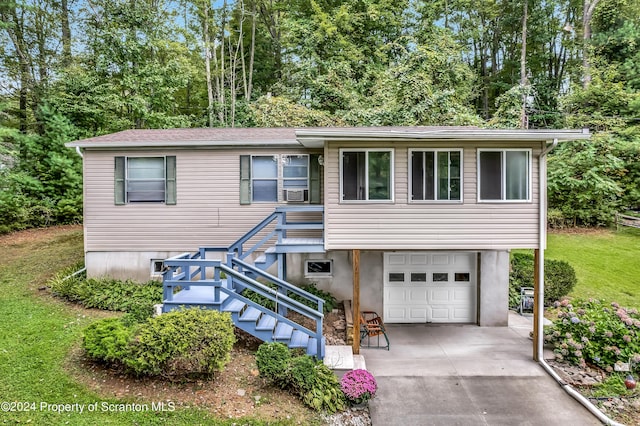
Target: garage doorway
<point x="430" y="287"/>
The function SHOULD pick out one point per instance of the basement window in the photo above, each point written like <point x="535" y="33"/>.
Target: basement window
<point x="318" y="268"/>
<point x="157" y="266"/>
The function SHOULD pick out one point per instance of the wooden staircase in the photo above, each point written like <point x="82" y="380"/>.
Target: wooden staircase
<point x="193" y="280"/>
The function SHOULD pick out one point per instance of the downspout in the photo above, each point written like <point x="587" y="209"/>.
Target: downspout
<point x="542" y="167"/>
<point x="79" y="152"/>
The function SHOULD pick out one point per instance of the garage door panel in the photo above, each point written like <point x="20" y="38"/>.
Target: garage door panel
<point x="439" y="295"/>
<point x="417" y="295"/>
<point x="430" y="287"/>
<point x="418" y="314"/>
<point x="462" y="294"/>
<point x="395" y="314"/>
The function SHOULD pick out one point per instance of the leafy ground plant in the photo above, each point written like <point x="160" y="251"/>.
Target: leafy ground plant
<point x="595" y="332"/>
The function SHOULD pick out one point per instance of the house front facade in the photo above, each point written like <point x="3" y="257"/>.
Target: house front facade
<point x="430" y="213"/>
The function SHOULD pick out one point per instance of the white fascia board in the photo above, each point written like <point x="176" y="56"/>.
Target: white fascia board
<point x="315" y="138"/>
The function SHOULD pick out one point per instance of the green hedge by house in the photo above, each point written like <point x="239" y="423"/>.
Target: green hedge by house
<point x="176" y="344"/>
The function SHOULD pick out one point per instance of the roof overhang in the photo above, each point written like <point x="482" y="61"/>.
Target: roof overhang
<point x="316" y="138"/>
<point x="311" y="138"/>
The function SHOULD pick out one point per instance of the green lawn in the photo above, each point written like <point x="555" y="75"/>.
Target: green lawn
<point x="36" y="334"/>
<point x="607" y="263"/>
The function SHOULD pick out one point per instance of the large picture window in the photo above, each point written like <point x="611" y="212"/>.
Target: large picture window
<point x="436" y="175"/>
<point x="504" y="175"/>
<point x="145" y="180"/>
<point x="366" y="175"/>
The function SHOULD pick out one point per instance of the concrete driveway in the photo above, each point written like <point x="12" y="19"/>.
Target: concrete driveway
<point x="466" y="375"/>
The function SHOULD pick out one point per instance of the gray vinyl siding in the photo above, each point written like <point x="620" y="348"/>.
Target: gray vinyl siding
<point x="404" y="225"/>
<point x="207" y="210"/>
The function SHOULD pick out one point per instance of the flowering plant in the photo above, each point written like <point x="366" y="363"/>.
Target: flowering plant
<point x="358" y="386"/>
<point x="595" y="332"/>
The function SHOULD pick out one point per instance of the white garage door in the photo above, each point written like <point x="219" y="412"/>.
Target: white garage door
<point x="422" y="287"/>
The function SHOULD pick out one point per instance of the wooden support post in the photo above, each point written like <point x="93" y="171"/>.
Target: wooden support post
<point x="536" y="302"/>
<point x="356" y="301"/>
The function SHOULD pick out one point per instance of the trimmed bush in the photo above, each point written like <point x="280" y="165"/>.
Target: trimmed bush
<point x="273" y="360"/>
<point x="177" y="344"/>
<point x="192" y="341"/>
<point x="560" y="278"/>
<point x="107" y="340"/>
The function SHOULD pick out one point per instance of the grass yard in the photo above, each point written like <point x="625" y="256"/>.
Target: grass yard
<point x="37" y="334"/>
<point x="607" y="263"/>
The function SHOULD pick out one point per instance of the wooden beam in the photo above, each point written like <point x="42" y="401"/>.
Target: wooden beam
<point x="356" y="301"/>
<point x="536" y="302"/>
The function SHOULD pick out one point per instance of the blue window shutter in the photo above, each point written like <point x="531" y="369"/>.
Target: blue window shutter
<point x="314" y="179"/>
<point x="245" y="179"/>
<point x="170" y="189"/>
<point x="119" y="181"/>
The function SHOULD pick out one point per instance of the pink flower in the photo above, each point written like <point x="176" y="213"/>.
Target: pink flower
<point x="358" y="386"/>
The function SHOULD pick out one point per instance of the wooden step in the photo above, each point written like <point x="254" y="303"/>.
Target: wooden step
<point x="283" y="332"/>
<point x="234" y="306"/>
<point x="298" y="339"/>
<point x="266" y="323"/>
<point x="250" y="314"/>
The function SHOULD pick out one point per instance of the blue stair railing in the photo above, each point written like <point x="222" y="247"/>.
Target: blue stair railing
<point x="191" y="279"/>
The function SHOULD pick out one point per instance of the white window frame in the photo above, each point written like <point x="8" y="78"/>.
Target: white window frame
<point x="435" y="183"/>
<point x="129" y="180"/>
<point x="280" y="179"/>
<point x="503" y="174"/>
<point x="318" y="274"/>
<point x="391" y="173"/>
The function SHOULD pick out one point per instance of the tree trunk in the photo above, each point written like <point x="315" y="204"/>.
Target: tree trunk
<point x="207" y="62"/>
<point x="66" y="33"/>
<point x="523" y="67"/>
<point x="587" y="14"/>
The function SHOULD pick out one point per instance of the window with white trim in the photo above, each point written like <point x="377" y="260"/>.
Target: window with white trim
<point x="504" y="175"/>
<point x="318" y="268"/>
<point x="435" y="175"/>
<point x="145" y="180"/>
<point x="366" y="175"/>
<point x="275" y="178"/>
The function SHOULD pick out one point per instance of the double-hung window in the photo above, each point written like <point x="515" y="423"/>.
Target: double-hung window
<point x="436" y="175"/>
<point x="275" y="178"/>
<point x="145" y="180"/>
<point x="504" y="175"/>
<point x="366" y="174"/>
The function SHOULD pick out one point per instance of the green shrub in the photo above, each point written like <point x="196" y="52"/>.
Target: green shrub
<point x="109" y="294"/>
<point x="180" y="343"/>
<point x="107" y="340"/>
<point x="311" y="380"/>
<point x="324" y="392"/>
<point x="597" y="333"/>
<point x="273" y="360"/>
<point x="191" y="341"/>
<point x="560" y="278"/>
<point x="330" y="302"/>
<point x="66" y="285"/>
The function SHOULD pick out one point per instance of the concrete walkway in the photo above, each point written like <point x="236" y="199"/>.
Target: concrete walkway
<point x="467" y="375"/>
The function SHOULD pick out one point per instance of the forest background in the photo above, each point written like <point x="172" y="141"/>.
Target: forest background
<point x="71" y="69"/>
